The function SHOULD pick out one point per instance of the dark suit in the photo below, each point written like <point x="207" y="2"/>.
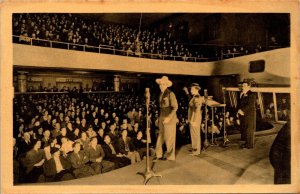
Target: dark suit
<point x="167" y="132"/>
<point x="93" y="154"/>
<point x="32" y="172"/>
<point x="280" y="155"/>
<point x="78" y="162"/>
<point x="50" y="170"/>
<point x="246" y="103"/>
<point x="110" y="156"/>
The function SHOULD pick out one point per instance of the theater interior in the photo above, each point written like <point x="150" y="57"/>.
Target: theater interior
<point x="65" y="64"/>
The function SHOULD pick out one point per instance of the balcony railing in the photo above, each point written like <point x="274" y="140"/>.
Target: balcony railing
<point x="106" y="49"/>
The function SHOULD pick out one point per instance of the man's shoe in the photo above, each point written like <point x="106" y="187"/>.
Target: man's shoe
<point x="155" y="159"/>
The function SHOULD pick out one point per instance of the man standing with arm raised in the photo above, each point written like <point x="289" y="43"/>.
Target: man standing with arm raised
<point x="195" y="118"/>
<point x="167" y="120"/>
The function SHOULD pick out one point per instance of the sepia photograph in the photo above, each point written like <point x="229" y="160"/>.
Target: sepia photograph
<point x="149" y="100"/>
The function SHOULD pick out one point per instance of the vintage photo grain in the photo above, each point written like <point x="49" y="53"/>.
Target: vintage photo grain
<point x="161" y="97"/>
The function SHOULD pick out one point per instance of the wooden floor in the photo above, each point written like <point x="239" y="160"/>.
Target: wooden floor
<point x="216" y="166"/>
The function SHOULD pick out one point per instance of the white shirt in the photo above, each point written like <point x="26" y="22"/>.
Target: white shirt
<point x="58" y="164"/>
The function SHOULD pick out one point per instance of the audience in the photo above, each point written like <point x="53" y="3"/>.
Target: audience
<point x="87" y="34"/>
<point x="93" y="131"/>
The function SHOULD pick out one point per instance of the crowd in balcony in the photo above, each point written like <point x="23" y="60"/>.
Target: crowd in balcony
<point x="78" y="30"/>
<point x="87" y="34"/>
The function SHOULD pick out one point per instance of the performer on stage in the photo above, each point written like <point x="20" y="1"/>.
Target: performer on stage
<point x="247" y="115"/>
<point x="195" y="118"/>
<point x="167" y="120"/>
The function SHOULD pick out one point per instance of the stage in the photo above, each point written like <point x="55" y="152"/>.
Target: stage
<point x="216" y="166"/>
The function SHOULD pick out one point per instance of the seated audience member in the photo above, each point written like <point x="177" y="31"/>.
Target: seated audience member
<point x="126" y="125"/>
<point x="113" y="134"/>
<point x="33" y="162"/>
<point x="25" y="145"/>
<point x="100" y="136"/>
<point x="140" y="145"/>
<point x="127" y="148"/>
<point x="57" y="168"/>
<point x="79" y="162"/>
<point x="45" y="139"/>
<point x="112" y="153"/>
<point x="16" y="165"/>
<point x="96" y="155"/>
<point x="56" y="131"/>
<point x="66" y="146"/>
<point x="84" y="141"/>
<point x="39" y="134"/>
<point x="76" y="135"/>
<point x="90" y="132"/>
<point x="132" y="116"/>
<point x="70" y="130"/>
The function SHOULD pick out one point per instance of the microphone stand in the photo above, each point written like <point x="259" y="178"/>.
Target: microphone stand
<point x="206" y="143"/>
<point x="225" y="136"/>
<point x="148" y="174"/>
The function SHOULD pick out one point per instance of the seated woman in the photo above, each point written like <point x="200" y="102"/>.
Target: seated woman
<point x="127" y="148"/>
<point x="112" y="153"/>
<point x="79" y="162"/>
<point x="33" y="162"/>
<point x="57" y="168"/>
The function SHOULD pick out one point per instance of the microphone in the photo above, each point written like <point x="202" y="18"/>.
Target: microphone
<point x="147" y="95"/>
<point x="205" y="93"/>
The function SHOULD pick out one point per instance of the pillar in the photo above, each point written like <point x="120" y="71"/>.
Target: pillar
<point x="22" y="81"/>
<point x="116" y="83"/>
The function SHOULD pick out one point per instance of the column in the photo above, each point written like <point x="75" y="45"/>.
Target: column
<point x="116" y="83"/>
<point x="22" y="81"/>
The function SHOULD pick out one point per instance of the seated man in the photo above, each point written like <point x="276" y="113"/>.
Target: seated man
<point x="140" y="145"/>
<point x="96" y="154"/>
<point x="58" y="168"/>
<point x="127" y="148"/>
<point x="112" y="153"/>
<point x="78" y="160"/>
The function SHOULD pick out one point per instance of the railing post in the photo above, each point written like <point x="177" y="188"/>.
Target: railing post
<point x="83" y="47"/>
<point x="68" y="46"/>
<point x="31" y="41"/>
<point x="51" y="44"/>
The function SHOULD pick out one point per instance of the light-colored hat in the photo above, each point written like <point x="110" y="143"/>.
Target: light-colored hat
<point x="196" y="85"/>
<point x="164" y="79"/>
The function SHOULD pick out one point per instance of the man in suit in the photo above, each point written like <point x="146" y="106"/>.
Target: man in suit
<point x="247" y="115"/>
<point x="79" y="162"/>
<point x="113" y="154"/>
<point x="195" y="118"/>
<point x="96" y="155"/>
<point x="127" y="148"/>
<point x="167" y="120"/>
<point x="57" y="168"/>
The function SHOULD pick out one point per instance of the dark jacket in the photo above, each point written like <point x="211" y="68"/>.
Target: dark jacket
<point x="123" y="144"/>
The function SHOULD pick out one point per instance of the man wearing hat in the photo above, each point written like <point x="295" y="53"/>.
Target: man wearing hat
<point x="167" y="120"/>
<point x="247" y="115"/>
<point x="195" y="118"/>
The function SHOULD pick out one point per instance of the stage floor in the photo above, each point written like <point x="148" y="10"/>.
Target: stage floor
<point x="216" y="166"/>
